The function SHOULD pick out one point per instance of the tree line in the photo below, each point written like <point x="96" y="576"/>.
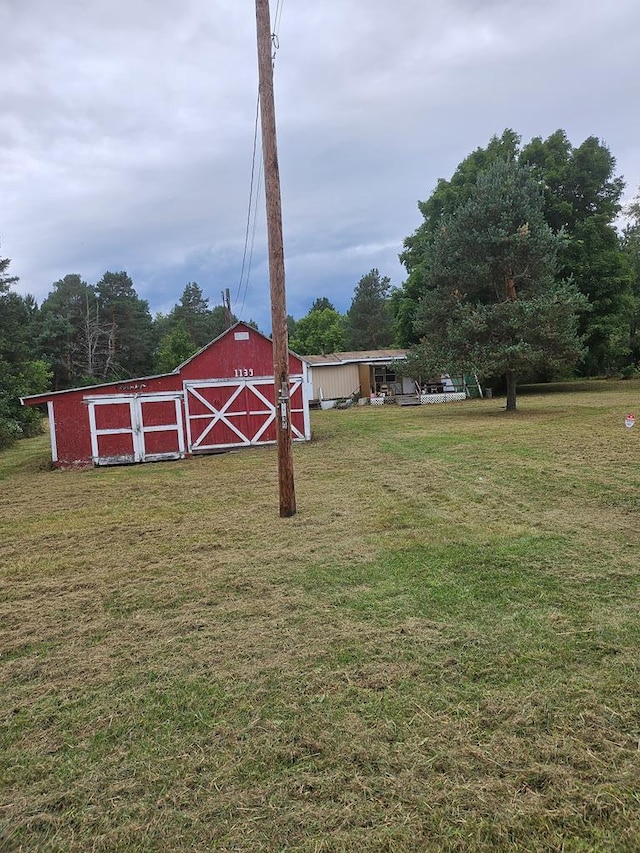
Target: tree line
<point x="84" y="334"/>
<point x="518" y="269"/>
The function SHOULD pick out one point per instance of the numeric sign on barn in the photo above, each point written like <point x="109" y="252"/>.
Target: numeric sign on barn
<point x="222" y="397"/>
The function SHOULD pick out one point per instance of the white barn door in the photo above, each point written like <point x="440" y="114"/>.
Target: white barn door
<point x="236" y="413"/>
<point x="127" y="428"/>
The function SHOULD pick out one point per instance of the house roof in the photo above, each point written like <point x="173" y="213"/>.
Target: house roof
<point x="376" y="356"/>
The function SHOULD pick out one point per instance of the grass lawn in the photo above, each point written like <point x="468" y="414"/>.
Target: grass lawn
<point x="439" y="652"/>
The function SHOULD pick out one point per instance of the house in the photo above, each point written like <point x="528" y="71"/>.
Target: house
<point x="342" y="374"/>
<point x="373" y="375"/>
<point x="221" y="398"/>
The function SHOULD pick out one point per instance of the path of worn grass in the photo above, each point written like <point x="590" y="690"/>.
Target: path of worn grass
<point x="439" y="652"/>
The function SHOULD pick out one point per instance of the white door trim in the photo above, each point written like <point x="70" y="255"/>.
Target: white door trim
<point x="222" y="415"/>
<point x="137" y="428"/>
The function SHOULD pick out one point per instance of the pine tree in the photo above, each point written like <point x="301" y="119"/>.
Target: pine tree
<point x="369" y="323"/>
<point x="493" y="303"/>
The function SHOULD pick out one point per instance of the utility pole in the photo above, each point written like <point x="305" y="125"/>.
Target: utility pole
<point x="276" y="262"/>
<point x="226" y="304"/>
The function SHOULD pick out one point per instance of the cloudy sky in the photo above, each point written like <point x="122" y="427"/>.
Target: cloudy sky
<point x="127" y="128"/>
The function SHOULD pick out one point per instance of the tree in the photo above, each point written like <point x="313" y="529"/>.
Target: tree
<point x="125" y="321"/>
<point x="320" y="331"/>
<point x="446" y="198"/>
<point x="95" y="333"/>
<point x="201" y="323"/>
<point x="369" y="322"/>
<point x="582" y="198"/>
<point x="175" y="347"/>
<point x="6" y="280"/>
<point x="581" y="201"/>
<point x="292" y="324"/>
<point x="62" y="329"/>
<point x="321" y="303"/>
<point x="20" y="374"/>
<point x="631" y="249"/>
<point x="492" y="303"/>
<point x="192" y="311"/>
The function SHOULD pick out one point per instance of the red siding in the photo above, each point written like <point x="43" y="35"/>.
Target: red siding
<point x="145" y="427"/>
<point x="232" y="357"/>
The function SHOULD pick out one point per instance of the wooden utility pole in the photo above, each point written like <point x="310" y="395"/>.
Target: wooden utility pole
<point x="276" y="262"/>
<point x="226" y="304"/>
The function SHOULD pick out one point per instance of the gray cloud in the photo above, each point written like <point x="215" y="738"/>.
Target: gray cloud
<point x="127" y="128"/>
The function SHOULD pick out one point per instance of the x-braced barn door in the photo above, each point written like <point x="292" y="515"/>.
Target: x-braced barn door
<point x="237" y="413"/>
<point x="129" y="428"/>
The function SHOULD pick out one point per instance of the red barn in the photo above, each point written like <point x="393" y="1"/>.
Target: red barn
<point x="222" y="397"/>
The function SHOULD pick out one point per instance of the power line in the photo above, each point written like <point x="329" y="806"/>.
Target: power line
<point x="253" y="238"/>
<point x="277" y="16"/>
<point x="253" y="201"/>
<point x="249" y="207"/>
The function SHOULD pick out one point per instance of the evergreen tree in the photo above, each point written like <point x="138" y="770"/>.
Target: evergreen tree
<point x="20" y="373"/>
<point x="492" y="303"/>
<point x="369" y="322"/>
<point x="581" y="200"/>
<point x="66" y="339"/>
<point x="321" y="303"/>
<point x="202" y="324"/>
<point x="631" y="248"/>
<point x="92" y="334"/>
<point x="125" y="321"/>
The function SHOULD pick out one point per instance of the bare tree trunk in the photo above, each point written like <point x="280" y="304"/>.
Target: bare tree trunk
<point x="111" y="349"/>
<point x="511" y="390"/>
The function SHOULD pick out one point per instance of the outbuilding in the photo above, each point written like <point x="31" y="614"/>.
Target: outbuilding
<point x="222" y="397"/>
<point x="376" y="376"/>
<point x="345" y="374"/>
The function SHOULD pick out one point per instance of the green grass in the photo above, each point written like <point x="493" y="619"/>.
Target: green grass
<point x="439" y="652"/>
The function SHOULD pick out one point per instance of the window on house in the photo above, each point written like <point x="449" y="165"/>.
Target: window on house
<point x="385" y="379"/>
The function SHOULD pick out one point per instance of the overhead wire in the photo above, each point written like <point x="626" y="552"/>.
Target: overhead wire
<point x="253" y="239"/>
<point x="277" y="16"/>
<point x="252" y="209"/>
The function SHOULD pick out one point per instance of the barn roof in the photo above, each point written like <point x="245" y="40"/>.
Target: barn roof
<point x="375" y="356"/>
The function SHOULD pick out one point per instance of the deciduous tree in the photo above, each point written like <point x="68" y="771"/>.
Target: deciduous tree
<point x="320" y="331"/>
<point x="582" y="198"/>
<point x="175" y="347"/>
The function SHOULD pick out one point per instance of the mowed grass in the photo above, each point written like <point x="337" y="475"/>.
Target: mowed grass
<point x="439" y="652"/>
